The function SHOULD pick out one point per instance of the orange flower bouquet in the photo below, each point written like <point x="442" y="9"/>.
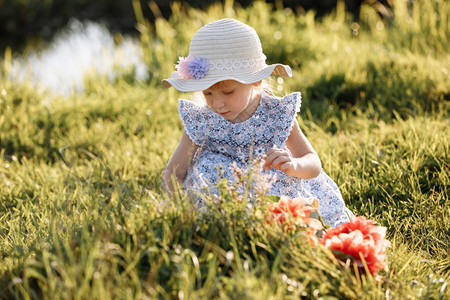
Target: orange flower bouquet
<point x="293" y="214"/>
<point x="359" y="240"/>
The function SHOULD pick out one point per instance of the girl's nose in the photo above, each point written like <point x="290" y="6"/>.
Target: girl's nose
<point x="218" y="103"/>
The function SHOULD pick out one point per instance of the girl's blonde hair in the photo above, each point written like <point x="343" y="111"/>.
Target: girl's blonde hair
<point x="266" y="87"/>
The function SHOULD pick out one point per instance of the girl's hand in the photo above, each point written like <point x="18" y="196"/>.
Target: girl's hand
<point x="281" y="160"/>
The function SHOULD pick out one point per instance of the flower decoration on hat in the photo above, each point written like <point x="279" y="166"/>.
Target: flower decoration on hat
<point x="192" y="67"/>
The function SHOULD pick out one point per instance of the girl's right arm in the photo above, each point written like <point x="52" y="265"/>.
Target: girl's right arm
<point x="178" y="165"/>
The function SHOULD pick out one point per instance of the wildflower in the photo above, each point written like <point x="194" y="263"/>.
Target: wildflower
<point x="292" y="213"/>
<point x="358" y="240"/>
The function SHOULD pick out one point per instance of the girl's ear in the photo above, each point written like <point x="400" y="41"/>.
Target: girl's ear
<point x="256" y="84"/>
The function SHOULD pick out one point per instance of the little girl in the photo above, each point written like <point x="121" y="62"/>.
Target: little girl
<point x="241" y="123"/>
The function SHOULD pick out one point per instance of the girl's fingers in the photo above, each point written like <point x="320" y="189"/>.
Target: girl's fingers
<point x="275" y="160"/>
<point x="278" y="159"/>
<point x="271" y="150"/>
<point x="270" y="157"/>
<point x="273" y="153"/>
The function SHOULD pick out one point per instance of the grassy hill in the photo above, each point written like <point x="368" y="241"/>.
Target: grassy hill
<point x="82" y="214"/>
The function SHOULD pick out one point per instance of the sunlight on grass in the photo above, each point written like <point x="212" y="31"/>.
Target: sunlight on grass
<point x="81" y="209"/>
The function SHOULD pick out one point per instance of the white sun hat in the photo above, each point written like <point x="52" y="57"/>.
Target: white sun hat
<point x="223" y="50"/>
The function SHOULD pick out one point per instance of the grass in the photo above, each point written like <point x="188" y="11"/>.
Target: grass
<point x="81" y="210"/>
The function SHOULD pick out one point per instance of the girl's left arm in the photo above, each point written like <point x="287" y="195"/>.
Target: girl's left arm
<point x="304" y="162"/>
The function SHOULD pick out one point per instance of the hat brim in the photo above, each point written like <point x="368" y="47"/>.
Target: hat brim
<point x="193" y="85"/>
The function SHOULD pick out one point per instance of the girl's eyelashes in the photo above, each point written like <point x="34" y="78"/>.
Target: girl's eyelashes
<point x="224" y="92"/>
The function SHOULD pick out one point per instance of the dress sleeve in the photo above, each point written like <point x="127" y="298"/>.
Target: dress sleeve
<point x="285" y="114"/>
<point x="193" y="117"/>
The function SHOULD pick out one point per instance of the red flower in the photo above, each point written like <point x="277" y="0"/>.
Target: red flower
<point x="358" y="238"/>
<point x="293" y="212"/>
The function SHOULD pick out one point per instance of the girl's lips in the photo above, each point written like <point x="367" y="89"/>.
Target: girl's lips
<point x="224" y="113"/>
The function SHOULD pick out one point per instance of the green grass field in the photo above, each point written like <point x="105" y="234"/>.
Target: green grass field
<point x="82" y="214"/>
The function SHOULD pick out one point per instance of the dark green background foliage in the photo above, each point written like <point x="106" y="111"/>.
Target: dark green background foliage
<point x="35" y="19"/>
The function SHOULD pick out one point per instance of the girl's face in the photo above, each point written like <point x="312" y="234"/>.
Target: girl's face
<point x="233" y="100"/>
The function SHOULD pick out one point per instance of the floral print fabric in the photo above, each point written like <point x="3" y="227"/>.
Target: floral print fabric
<point x="225" y="147"/>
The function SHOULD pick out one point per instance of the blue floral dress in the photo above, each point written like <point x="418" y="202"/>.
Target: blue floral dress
<point x="226" y="149"/>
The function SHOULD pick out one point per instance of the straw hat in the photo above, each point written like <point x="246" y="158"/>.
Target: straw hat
<point x="223" y="50"/>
